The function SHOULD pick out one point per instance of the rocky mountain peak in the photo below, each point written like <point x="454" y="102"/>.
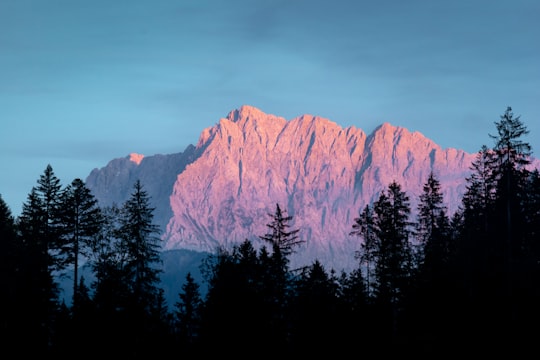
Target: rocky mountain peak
<point x="221" y="191"/>
<point x="136" y="158"/>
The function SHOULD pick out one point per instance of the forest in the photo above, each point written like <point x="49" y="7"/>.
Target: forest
<point x="431" y="283"/>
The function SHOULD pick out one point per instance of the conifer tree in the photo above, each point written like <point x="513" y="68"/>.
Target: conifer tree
<point x="139" y="238"/>
<point x="434" y="294"/>
<point x="280" y="236"/>
<point x="11" y="259"/>
<point x="39" y="226"/>
<point x="315" y="310"/>
<point x="80" y="223"/>
<point x="510" y="227"/>
<point x="278" y="278"/>
<point x="107" y="260"/>
<point x="364" y="227"/>
<point x="49" y="190"/>
<point x="395" y="259"/>
<point x="432" y="228"/>
<point x="140" y="244"/>
<point x="39" y="290"/>
<point x="394" y="263"/>
<point x="188" y="311"/>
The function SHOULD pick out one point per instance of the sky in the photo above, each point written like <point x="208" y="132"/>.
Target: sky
<point x="84" y="82"/>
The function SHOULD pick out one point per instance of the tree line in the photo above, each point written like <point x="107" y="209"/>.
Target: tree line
<point x="436" y="284"/>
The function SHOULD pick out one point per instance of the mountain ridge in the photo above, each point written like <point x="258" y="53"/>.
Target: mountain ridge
<point x="222" y="190"/>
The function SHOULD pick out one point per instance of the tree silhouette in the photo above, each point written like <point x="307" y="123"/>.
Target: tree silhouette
<point x="394" y="263"/>
<point x="11" y="282"/>
<point x="364" y="227"/>
<point x="280" y="236"/>
<point x="80" y="221"/>
<point x="139" y="238"/>
<point x="188" y="312"/>
<point x="39" y="228"/>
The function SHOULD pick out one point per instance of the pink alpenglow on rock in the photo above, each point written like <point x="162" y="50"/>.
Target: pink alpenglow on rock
<point x="220" y="191"/>
<point x="136" y="158"/>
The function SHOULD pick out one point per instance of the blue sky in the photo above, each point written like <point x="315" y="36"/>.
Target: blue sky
<point x="84" y="82"/>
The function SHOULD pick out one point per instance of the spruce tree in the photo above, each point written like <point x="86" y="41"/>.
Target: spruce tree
<point x="107" y="260"/>
<point x="394" y="266"/>
<point x="141" y="245"/>
<point x="49" y="190"/>
<point x="11" y="259"/>
<point x="315" y="312"/>
<point x="433" y="298"/>
<point x="280" y="236"/>
<point x="80" y="223"/>
<point x="188" y="311"/>
<point x="432" y="228"/>
<point x="364" y="227"/>
<point x="139" y="237"/>
<point x="39" y="290"/>
<point x="513" y="156"/>
<point x="395" y="259"/>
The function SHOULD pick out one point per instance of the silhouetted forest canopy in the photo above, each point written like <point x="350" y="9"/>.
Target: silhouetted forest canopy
<point x="429" y="283"/>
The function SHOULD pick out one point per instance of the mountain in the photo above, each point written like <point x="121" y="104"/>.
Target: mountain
<point x="224" y="189"/>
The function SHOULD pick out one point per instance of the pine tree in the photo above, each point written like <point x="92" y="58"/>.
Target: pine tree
<point x="80" y="223"/>
<point x="364" y="227"/>
<point x="140" y="243"/>
<point x="357" y="321"/>
<point x="315" y="310"/>
<point x="394" y="264"/>
<point x="395" y="260"/>
<point x="112" y="292"/>
<point x="107" y="260"/>
<point x="188" y="312"/>
<point x="139" y="238"/>
<point x="433" y="298"/>
<point x="510" y="226"/>
<point x="277" y="277"/>
<point x="512" y="151"/>
<point x="11" y="258"/>
<point x="49" y="190"/>
<point x="39" y="291"/>
<point x="432" y="228"/>
<point x="280" y="236"/>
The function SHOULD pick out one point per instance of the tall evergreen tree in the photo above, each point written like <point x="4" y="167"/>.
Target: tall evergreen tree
<point x="39" y="229"/>
<point x="280" y="236"/>
<point x="512" y="151"/>
<point x="278" y="279"/>
<point x="512" y="159"/>
<point x="188" y="311"/>
<point x="140" y="239"/>
<point x="395" y="259"/>
<point x="394" y="263"/>
<point x="39" y="290"/>
<point x="107" y="260"/>
<point x="364" y="227"/>
<point x="432" y="228"/>
<point x="357" y="321"/>
<point x="316" y="311"/>
<point x="433" y="299"/>
<point x="141" y="244"/>
<point x="49" y="190"/>
<point x="112" y="291"/>
<point x="476" y="246"/>
<point x="80" y="223"/>
<point x="11" y="258"/>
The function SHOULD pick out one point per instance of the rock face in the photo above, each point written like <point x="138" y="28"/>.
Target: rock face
<point x="222" y="190"/>
<point x="113" y="183"/>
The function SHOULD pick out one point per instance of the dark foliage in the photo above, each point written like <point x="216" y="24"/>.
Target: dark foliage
<point x="436" y="285"/>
